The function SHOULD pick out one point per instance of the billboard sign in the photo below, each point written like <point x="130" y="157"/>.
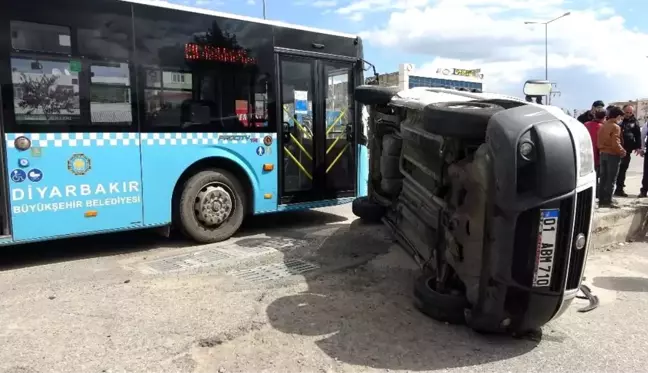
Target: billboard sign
<point x="470" y="73"/>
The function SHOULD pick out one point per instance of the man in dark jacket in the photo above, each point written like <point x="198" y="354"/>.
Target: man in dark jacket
<point x="631" y="138"/>
<point x="589" y="116"/>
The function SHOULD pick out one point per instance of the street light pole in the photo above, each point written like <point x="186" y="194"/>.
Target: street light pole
<point x="546" y="25"/>
<point x="264" y="8"/>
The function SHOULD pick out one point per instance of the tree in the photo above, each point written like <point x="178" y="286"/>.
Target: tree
<point x="46" y="95"/>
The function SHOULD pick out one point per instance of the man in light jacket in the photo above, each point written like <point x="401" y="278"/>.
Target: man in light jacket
<point x="611" y="152"/>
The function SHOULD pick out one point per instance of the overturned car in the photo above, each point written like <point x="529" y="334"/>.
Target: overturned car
<point x="492" y="195"/>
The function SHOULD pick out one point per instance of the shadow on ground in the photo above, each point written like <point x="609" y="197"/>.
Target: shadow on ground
<point x="26" y="255"/>
<point x="361" y="306"/>
<point x="628" y="284"/>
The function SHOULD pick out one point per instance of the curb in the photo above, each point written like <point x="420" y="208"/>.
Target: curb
<point x="611" y="226"/>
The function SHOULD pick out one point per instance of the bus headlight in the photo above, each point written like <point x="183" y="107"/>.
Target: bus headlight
<point x="585" y="152"/>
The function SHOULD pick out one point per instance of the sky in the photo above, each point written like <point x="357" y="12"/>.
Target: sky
<point x="598" y="52"/>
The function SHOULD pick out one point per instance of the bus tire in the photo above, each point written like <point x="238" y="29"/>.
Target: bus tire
<point x="367" y="210"/>
<point x="211" y="206"/>
<point x="463" y="120"/>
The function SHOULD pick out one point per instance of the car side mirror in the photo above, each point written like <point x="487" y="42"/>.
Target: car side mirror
<point x="537" y="88"/>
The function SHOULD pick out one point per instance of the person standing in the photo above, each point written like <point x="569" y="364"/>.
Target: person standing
<point x="588" y="116"/>
<point x="593" y="128"/>
<point x="643" y="192"/>
<point x="609" y="144"/>
<point x="631" y="140"/>
<point x="607" y="109"/>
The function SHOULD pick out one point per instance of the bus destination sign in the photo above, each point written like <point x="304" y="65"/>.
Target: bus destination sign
<point x="209" y="53"/>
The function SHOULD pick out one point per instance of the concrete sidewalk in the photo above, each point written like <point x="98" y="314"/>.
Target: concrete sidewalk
<point x="627" y="223"/>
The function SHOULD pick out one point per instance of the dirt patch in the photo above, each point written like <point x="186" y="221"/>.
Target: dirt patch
<point x="231" y="335"/>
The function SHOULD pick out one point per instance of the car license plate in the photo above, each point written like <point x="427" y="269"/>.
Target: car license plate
<point x="546" y="248"/>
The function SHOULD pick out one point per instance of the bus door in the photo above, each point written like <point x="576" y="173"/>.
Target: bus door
<point x="318" y="144"/>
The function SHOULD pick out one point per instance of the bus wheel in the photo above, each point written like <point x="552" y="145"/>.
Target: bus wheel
<point x="212" y="206"/>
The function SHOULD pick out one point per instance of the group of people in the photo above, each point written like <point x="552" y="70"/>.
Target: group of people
<point x="616" y="134"/>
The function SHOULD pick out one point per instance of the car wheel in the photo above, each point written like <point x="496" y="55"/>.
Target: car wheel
<point x="367" y="210"/>
<point x="390" y="167"/>
<point x="464" y="120"/>
<point x="374" y="95"/>
<point x="211" y="206"/>
<point x="439" y="306"/>
<point x="391" y="187"/>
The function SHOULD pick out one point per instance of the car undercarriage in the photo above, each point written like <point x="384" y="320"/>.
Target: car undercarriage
<point x="462" y="181"/>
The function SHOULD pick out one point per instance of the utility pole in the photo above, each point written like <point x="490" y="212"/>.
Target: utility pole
<point x="546" y="25"/>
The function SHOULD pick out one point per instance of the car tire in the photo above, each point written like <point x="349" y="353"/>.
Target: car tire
<point x="442" y="307"/>
<point x="367" y="210"/>
<point x="390" y="167"/>
<point x="374" y="95"/>
<point x="391" y="145"/>
<point x="463" y="120"/>
<point x="391" y="187"/>
<point x="203" y="188"/>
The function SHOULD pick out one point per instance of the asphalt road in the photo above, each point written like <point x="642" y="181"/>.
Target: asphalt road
<point x="326" y="294"/>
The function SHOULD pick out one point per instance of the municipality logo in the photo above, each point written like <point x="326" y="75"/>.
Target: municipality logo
<point x="79" y="164"/>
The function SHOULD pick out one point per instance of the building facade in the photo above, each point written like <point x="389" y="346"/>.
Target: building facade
<point x="640" y="107"/>
<point x="408" y="77"/>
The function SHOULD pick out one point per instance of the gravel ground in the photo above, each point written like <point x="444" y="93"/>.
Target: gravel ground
<point x="326" y="294"/>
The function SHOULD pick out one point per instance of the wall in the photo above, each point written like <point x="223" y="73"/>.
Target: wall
<point x="408" y="77"/>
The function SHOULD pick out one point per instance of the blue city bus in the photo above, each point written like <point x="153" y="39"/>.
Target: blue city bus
<point x="121" y="115"/>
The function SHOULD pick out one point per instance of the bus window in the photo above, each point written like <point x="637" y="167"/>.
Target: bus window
<point x="46" y="91"/>
<point x="110" y="41"/>
<point x="232" y="91"/>
<point x="165" y="92"/>
<point x="222" y="68"/>
<point x="49" y="78"/>
<point x="110" y="93"/>
<point x="36" y="37"/>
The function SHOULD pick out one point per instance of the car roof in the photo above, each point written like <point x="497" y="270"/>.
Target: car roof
<point x="423" y="96"/>
<point x="429" y="95"/>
